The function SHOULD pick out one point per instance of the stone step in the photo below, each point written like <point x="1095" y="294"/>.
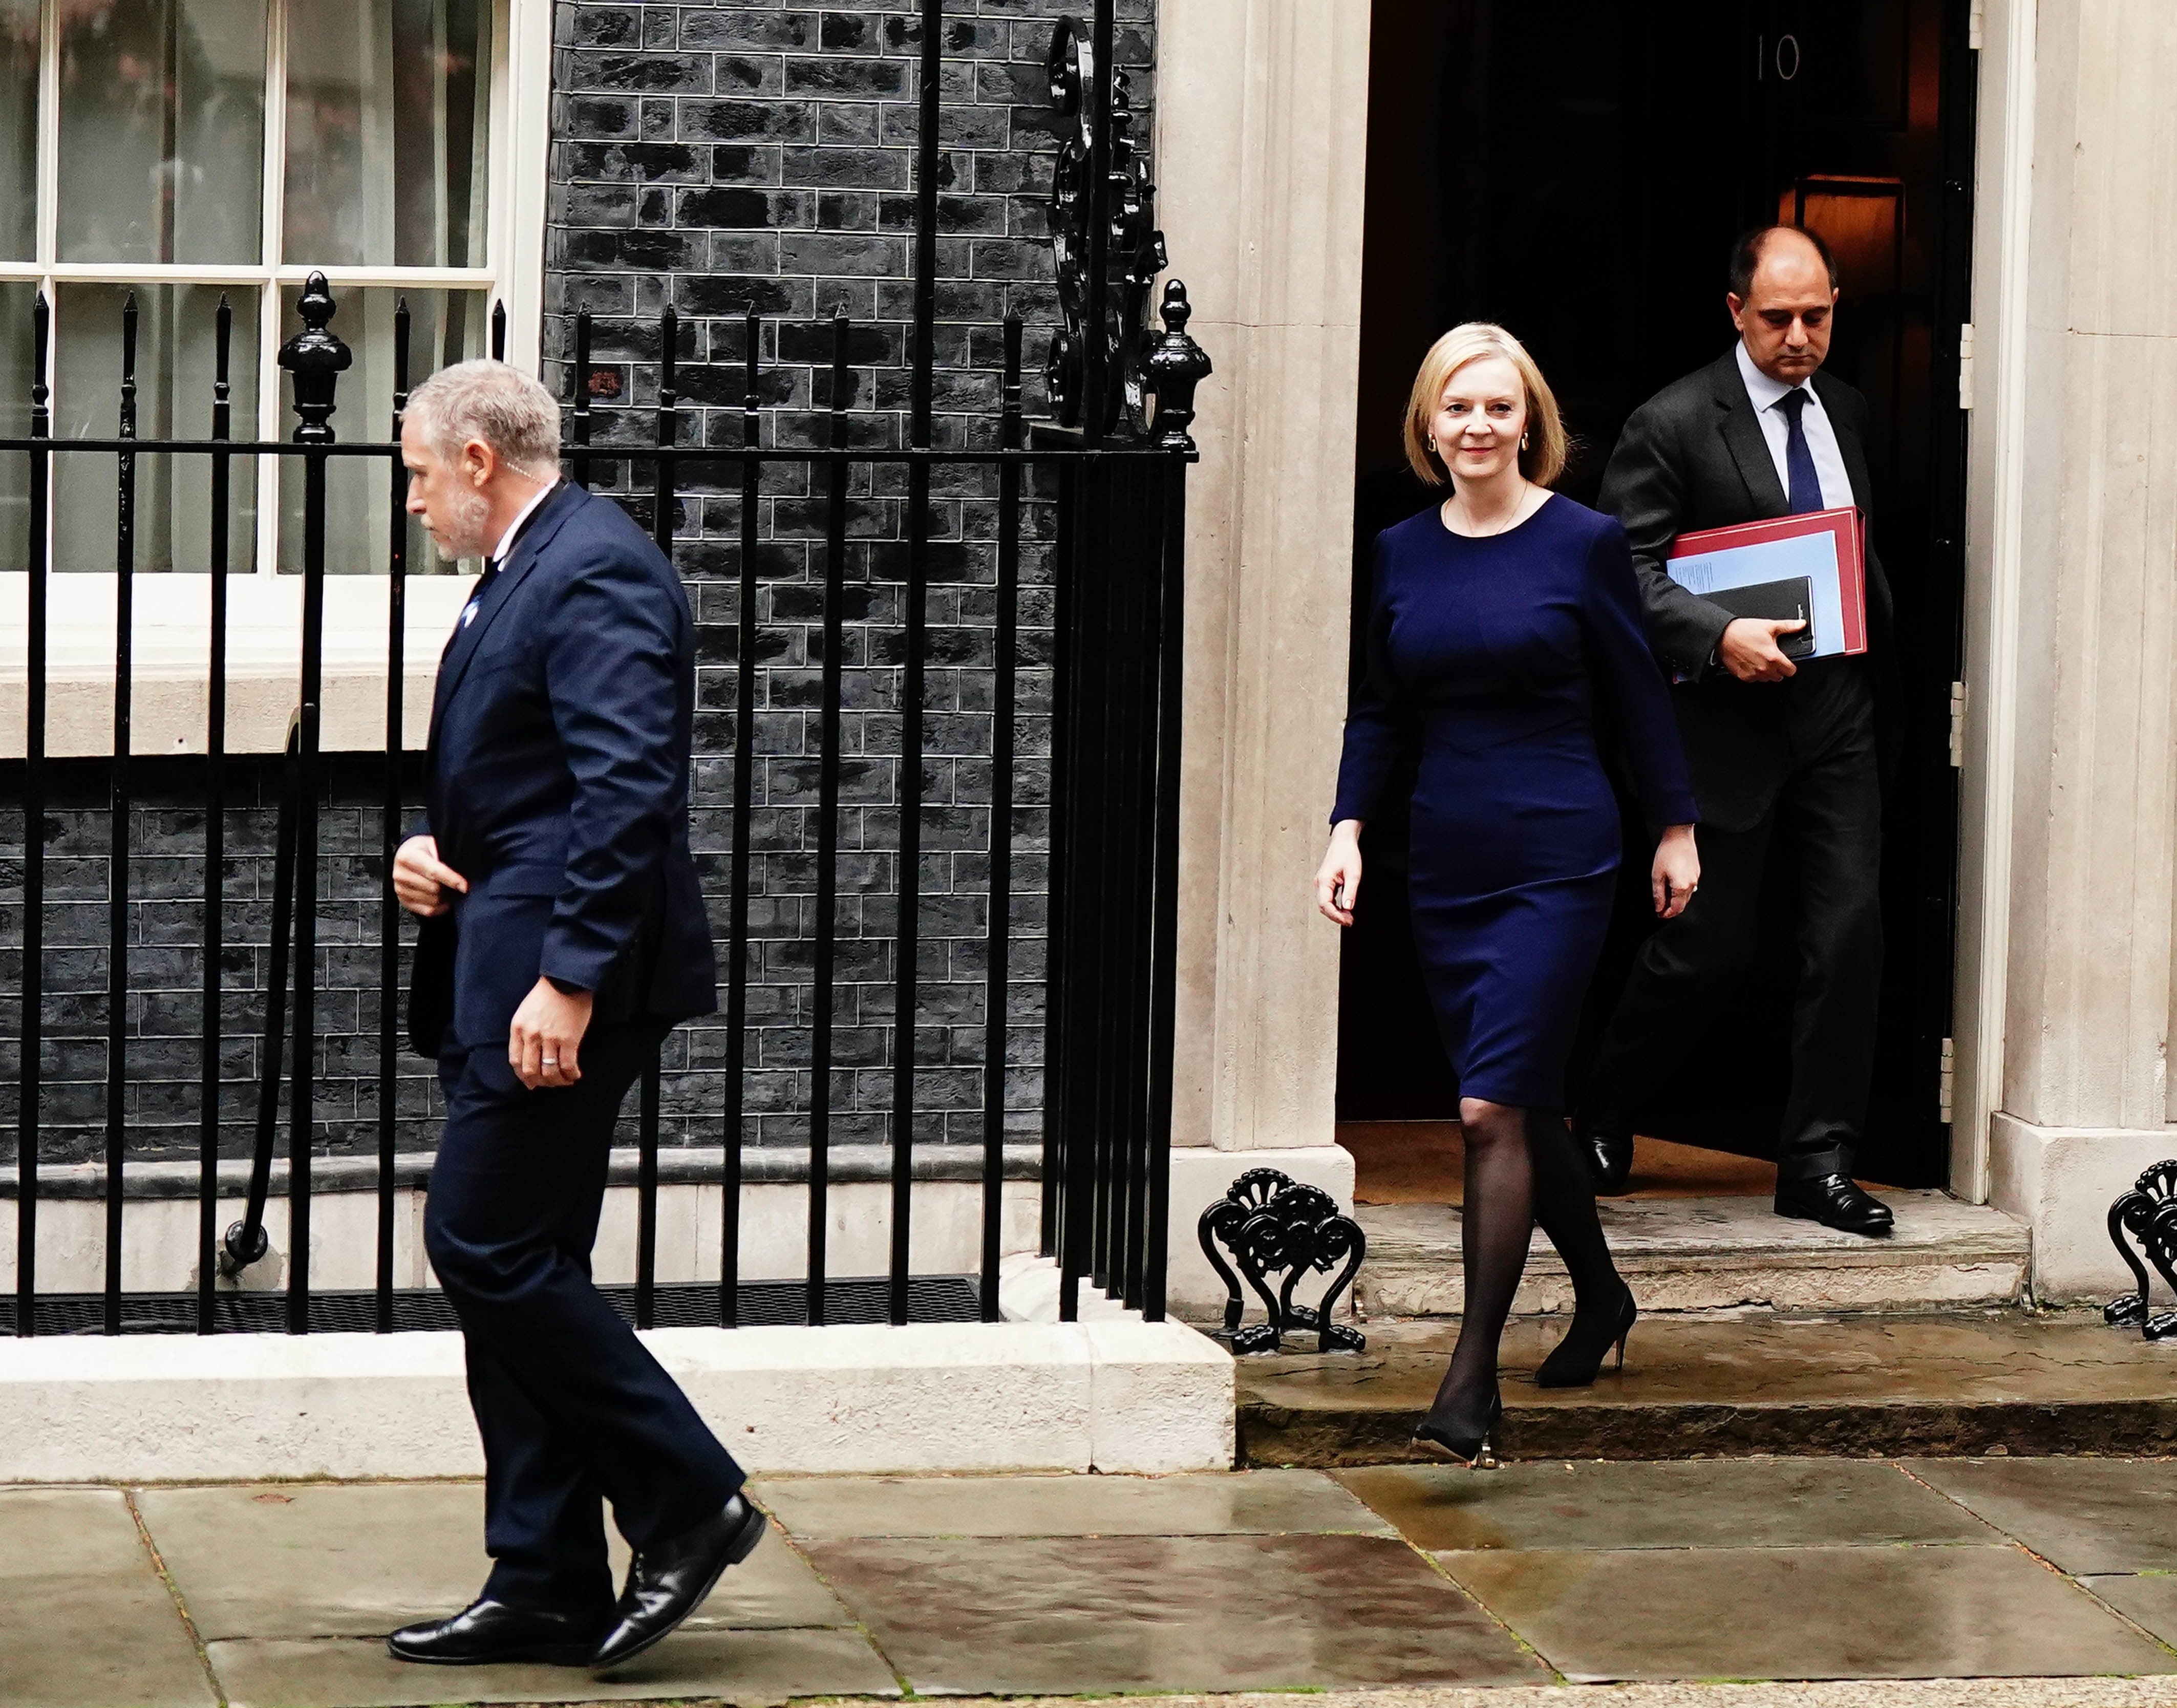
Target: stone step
<point x="1720" y="1253"/>
<point x="1968" y="1382"/>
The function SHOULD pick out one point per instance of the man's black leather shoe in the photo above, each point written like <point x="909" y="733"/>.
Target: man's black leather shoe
<point x="667" y="1582"/>
<point x="488" y="1631"/>
<point x="1607" y="1147"/>
<point x="1836" y="1202"/>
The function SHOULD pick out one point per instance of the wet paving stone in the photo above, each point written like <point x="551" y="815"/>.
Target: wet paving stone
<point x="2148" y="1598"/>
<point x="84" y="1622"/>
<point x="1081" y="1615"/>
<point x="748" y="1668"/>
<point x="1761" y="1502"/>
<point x="299" y="1560"/>
<point x="1208" y="1503"/>
<point x="1828" y="1612"/>
<point x="2083" y="1515"/>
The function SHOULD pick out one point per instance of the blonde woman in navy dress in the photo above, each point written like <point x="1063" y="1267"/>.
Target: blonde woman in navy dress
<point x="1505" y="625"/>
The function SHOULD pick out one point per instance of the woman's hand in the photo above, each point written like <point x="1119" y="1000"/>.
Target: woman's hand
<point x="1337" y="879"/>
<point x="1676" y="874"/>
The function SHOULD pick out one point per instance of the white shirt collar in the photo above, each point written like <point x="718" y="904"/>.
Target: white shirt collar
<point x="1761" y="390"/>
<point x="514" y="527"/>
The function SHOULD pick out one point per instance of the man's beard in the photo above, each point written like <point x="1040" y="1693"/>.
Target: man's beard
<point x="462" y="532"/>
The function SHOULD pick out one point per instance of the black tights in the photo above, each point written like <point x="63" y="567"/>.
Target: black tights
<point x="1522" y="1167"/>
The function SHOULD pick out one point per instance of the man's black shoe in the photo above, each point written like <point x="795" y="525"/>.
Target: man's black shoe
<point x="1607" y="1147"/>
<point x="667" y="1582"/>
<point x="1834" y="1201"/>
<point x="488" y="1631"/>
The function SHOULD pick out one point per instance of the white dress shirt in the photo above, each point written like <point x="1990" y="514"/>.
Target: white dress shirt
<point x="514" y="527"/>
<point x="1821" y="437"/>
<point x="505" y="545"/>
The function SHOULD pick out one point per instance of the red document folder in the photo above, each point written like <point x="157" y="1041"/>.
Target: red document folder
<point x="1847" y="525"/>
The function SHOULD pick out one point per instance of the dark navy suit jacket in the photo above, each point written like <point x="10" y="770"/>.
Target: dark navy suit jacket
<point x="558" y="786"/>
<point x="1691" y="457"/>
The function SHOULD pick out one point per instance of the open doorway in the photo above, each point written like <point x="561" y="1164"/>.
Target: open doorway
<point x="1577" y="169"/>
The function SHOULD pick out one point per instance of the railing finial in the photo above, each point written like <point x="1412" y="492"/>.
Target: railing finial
<point x="1173" y="365"/>
<point x="317" y="358"/>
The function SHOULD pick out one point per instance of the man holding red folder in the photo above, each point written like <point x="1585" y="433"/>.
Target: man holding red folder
<point x="1783" y="753"/>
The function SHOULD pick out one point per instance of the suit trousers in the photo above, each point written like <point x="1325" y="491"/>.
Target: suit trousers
<point x="1827" y="821"/>
<point x="572" y="1407"/>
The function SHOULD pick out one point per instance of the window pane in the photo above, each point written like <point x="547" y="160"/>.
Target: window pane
<point x="445" y="327"/>
<point x="16" y="346"/>
<point x="19" y="130"/>
<point x="388" y="133"/>
<point x="162" y="130"/>
<point x="175" y="346"/>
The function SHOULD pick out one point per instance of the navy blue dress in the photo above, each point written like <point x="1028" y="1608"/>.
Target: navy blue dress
<point x="1495" y="657"/>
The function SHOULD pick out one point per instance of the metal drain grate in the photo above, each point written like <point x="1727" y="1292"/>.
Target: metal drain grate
<point x="683" y="1305"/>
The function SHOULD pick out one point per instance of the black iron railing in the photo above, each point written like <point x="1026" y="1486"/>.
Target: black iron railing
<point x="1116" y="483"/>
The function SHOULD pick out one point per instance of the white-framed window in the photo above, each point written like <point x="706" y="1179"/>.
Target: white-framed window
<point x="182" y="150"/>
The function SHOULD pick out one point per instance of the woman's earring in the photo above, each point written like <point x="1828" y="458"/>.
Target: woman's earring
<point x="1523" y="441"/>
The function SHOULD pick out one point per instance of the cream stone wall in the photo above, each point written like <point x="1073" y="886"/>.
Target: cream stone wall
<point x="1261" y="156"/>
<point x="2069" y="865"/>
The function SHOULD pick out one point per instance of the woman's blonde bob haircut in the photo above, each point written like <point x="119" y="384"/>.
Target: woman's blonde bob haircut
<point x="1544" y="458"/>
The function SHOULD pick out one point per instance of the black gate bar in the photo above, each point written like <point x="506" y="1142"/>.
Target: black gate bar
<point x="823" y="974"/>
<point x="391" y="827"/>
<point x="215" y="858"/>
<point x="31" y="1026"/>
<point x="737" y="927"/>
<point x="1005" y="619"/>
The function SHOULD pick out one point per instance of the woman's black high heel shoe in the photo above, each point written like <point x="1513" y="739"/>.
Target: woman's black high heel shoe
<point x="1475" y="1452"/>
<point x="1578" y="1356"/>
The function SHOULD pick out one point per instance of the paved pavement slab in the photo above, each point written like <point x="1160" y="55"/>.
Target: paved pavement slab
<point x="1194" y="1503"/>
<point x="2081" y="1514"/>
<point x="84" y="1620"/>
<point x="298" y="1560"/>
<point x="1759" y="1503"/>
<point x="1857" y="1693"/>
<point x="744" y="1667"/>
<point x="1827" y="1612"/>
<point x="1236" y="1613"/>
<point x="2148" y="1598"/>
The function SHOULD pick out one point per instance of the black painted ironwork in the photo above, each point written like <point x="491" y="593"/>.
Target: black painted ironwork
<point x="2148" y="1214"/>
<point x="1106" y="249"/>
<point x="1270" y="1225"/>
<point x="1118" y="486"/>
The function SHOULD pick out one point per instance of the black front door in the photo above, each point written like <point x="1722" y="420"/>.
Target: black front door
<point x="1577" y="169"/>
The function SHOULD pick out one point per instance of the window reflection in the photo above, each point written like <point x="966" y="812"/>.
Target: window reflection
<point x="19" y="130"/>
<point x="445" y="327"/>
<point x="163" y="129"/>
<point x="387" y="136"/>
<point x="175" y="363"/>
<point x="17" y="304"/>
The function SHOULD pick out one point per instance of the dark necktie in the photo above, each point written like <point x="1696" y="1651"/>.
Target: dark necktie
<point x="1806" y="492"/>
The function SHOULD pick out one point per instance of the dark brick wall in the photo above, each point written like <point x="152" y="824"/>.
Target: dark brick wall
<point x="721" y="156"/>
<point x="162" y="1092"/>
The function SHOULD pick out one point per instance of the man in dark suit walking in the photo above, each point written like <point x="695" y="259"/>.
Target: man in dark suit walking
<point x="564" y="935"/>
<point x="1783" y="755"/>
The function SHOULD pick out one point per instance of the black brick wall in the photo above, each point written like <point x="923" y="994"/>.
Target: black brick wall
<point x="163" y="1096"/>
<point x="721" y="156"/>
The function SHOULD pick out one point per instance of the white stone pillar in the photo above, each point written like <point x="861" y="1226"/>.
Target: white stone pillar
<point x="1262" y="124"/>
<point x="2071" y="789"/>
